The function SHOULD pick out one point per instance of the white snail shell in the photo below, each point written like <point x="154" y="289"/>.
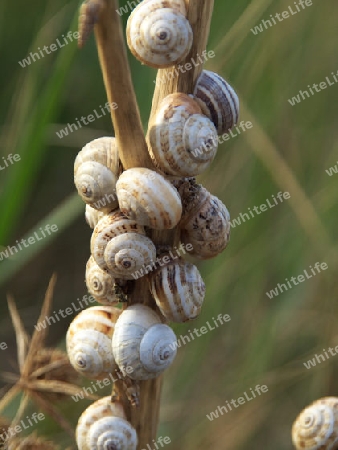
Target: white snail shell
<point x="218" y="100"/>
<point x="205" y="220"/>
<point x="182" y="141"/>
<point x="100" y="284"/>
<point x="158" y="33"/>
<point x="178" y="290"/>
<point x="316" y="427"/>
<point x="96" y="169"/>
<point x="148" y="198"/>
<point x="103" y="426"/>
<point x="92" y="216"/>
<point x="121" y="256"/>
<point x="88" y="341"/>
<point x="143" y="347"/>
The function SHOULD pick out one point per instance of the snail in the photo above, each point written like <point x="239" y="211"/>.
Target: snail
<point x="88" y="341"/>
<point x="143" y="347"/>
<point x="100" y="284"/>
<point x="178" y="290"/>
<point x="182" y="141"/>
<point x="316" y="427"/>
<point x="150" y="199"/>
<point x="218" y="100"/>
<point x="92" y="216"/>
<point x="96" y="169"/>
<point x="119" y="245"/>
<point x="158" y="33"/>
<point x="104" y="426"/>
<point x="205" y="222"/>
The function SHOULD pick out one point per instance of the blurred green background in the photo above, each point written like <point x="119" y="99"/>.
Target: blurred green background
<point x="288" y="149"/>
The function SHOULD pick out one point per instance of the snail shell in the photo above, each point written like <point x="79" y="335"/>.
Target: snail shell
<point x="143" y="347"/>
<point x="104" y="426"/>
<point x="119" y="245"/>
<point x="218" y="100"/>
<point x="92" y="216"/>
<point x="178" y="290"/>
<point x="316" y="427"/>
<point x="96" y="169"/>
<point x="100" y="284"/>
<point x="182" y="141"/>
<point x="205" y="221"/>
<point x="158" y="33"/>
<point x="147" y="197"/>
<point x="88" y="341"/>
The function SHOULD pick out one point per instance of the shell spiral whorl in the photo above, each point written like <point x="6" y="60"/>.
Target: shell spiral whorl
<point x="88" y="341"/>
<point x="316" y="427"/>
<point x="103" y="426"/>
<point x="100" y="284"/>
<point x="158" y="33"/>
<point x="218" y="100"/>
<point x="143" y="347"/>
<point x="183" y="141"/>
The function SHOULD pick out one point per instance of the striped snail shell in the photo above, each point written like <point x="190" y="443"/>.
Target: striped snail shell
<point x="96" y="169"/>
<point x="148" y="198"/>
<point x="143" y="347"/>
<point x="100" y="284"/>
<point x="182" y="141"/>
<point x="158" y="33"/>
<point x="88" y="341"/>
<point x="205" y="220"/>
<point x="218" y="100"/>
<point x="104" y="426"/>
<point x="178" y="290"/>
<point x="119" y="245"/>
<point x="316" y="427"/>
<point x="92" y="216"/>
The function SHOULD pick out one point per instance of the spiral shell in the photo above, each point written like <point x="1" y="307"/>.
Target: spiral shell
<point x="92" y="216"/>
<point x="182" y="141"/>
<point x="104" y="426"/>
<point x="148" y="198"/>
<point x="100" y="284"/>
<point x="316" y="427"/>
<point x="119" y="245"/>
<point x="218" y="100"/>
<point x="88" y="341"/>
<point x="158" y="33"/>
<point x="143" y="347"/>
<point x="178" y="290"/>
<point x="96" y="169"/>
<point x="205" y="221"/>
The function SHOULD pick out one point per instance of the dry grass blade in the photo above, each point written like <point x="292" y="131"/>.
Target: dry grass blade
<point x="39" y="336"/>
<point x="22" y="338"/>
<point x="48" y="368"/>
<point x="55" y="386"/>
<point x="302" y="206"/>
<point x="9" y="396"/>
<point x="23" y="405"/>
<point x="54" y="413"/>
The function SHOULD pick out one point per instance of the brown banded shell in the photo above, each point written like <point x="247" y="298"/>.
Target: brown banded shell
<point x="316" y="427"/>
<point x="96" y="169"/>
<point x="104" y="426"/>
<point x="109" y="227"/>
<point x="158" y="33"/>
<point x="178" y="290"/>
<point x="218" y="100"/>
<point x="148" y="198"/>
<point x="100" y="284"/>
<point x="88" y="341"/>
<point x="182" y="141"/>
<point x="143" y="347"/>
<point x="205" y="221"/>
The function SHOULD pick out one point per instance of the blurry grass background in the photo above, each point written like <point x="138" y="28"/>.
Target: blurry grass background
<point x="288" y="149"/>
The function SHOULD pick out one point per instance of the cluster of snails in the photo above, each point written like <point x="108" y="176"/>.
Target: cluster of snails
<point x="316" y="427"/>
<point x="124" y="206"/>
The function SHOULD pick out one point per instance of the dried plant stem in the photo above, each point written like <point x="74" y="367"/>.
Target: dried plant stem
<point x="133" y="153"/>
